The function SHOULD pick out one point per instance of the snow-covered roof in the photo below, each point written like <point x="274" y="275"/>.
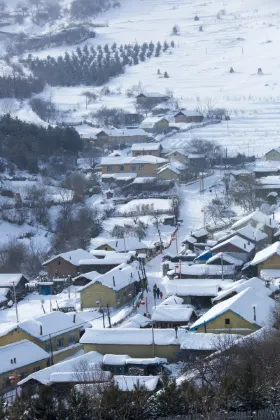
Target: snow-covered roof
<point x="226" y="257"/>
<point x="207" y="342"/>
<point x="204" y="270"/>
<point x="196" y="156"/>
<point x="176" y="313"/>
<point x="175" y="166"/>
<point x="72" y="257"/>
<point x="132" y="160"/>
<point x="119" y="245"/>
<point x="190" y="239"/>
<point x="7" y="280"/>
<point x="120" y="177"/>
<point x="139" y="321"/>
<point x="131" y="336"/>
<point x="115" y="259"/>
<point x="92" y="360"/>
<point x="252" y="233"/>
<point x="123" y="132"/>
<point x="236" y="287"/>
<point x="115" y="359"/>
<point x="200" y="233"/>
<point x="138" y="147"/>
<point x="145" y="361"/>
<point x="152" y="95"/>
<point x="149" y="122"/>
<point x="242" y="304"/>
<point x="195" y="287"/>
<point x="257" y="216"/>
<point x="117" y="278"/>
<point x="243" y="244"/>
<point x="266" y="253"/>
<point x="54" y="323"/>
<point x="189" y="113"/>
<point x="172" y="300"/>
<point x="92" y="275"/>
<point x="22" y="353"/>
<point x="129" y="383"/>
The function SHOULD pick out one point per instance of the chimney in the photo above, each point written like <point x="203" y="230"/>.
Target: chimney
<point x="41" y="330"/>
<point x="244" y="246"/>
<point x="255" y="314"/>
<point x="15" y="360"/>
<point x="74" y="318"/>
<point x="114" y="283"/>
<point x="12" y="362"/>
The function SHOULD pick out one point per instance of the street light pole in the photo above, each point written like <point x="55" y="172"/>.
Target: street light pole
<point x="15" y="299"/>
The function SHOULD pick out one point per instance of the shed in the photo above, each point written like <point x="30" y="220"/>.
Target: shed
<point x="188" y="116"/>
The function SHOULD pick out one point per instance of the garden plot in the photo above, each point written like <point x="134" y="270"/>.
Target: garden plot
<point x="145" y="205"/>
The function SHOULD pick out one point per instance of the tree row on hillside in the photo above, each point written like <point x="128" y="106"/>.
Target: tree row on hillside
<point x="92" y="66"/>
<point x="25" y="144"/>
<point x="20" y="87"/>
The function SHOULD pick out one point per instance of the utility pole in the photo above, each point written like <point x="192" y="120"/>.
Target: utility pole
<point x="153" y="340"/>
<point x="177" y="242"/>
<point x="109" y="317"/>
<point x="15" y="300"/>
<point x="222" y="260"/>
<point x="51" y="349"/>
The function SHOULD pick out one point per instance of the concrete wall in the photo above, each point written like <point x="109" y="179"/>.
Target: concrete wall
<point x="237" y="325"/>
<point x="168" y="351"/>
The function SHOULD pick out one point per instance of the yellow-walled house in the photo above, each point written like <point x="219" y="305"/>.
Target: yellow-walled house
<point x="258" y="219"/>
<point x="143" y="149"/>
<point x="124" y="245"/>
<point x="114" y="137"/>
<point x="141" y="165"/>
<point x="155" y="125"/>
<point x="114" y="288"/>
<point x="57" y="333"/>
<point x="17" y="361"/>
<point x="135" y="342"/>
<point x="268" y="261"/>
<point x="243" y="314"/>
<point x="173" y="171"/>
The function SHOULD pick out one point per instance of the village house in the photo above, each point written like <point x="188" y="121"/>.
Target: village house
<point x="196" y="292"/>
<point x="119" y="364"/>
<point x="67" y="263"/>
<point x="169" y="316"/>
<point x="151" y="99"/>
<point x="266" y="185"/>
<point x="133" y="245"/>
<point x="64" y="375"/>
<point x="141" y="165"/>
<point x="6" y="296"/>
<point x="106" y="264"/>
<point x="268" y="261"/>
<point x="222" y="258"/>
<point x="255" y="283"/>
<point x="114" y="288"/>
<point x="142" y="149"/>
<point x="258" y="220"/>
<point x="172" y="300"/>
<point x="254" y="235"/>
<point x="185" y="116"/>
<point x="15" y="283"/>
<point x="273" y="154"/>
<point x="237" y="247"/>
<point x="172" y="171"/>
<point x="200" y="235"/>
<point x="117" y="137"/>
<point x="56" y="332"/>
<point x="196" y="345"/>
<point x="202" y="271"/>
<point x="18" y="360"/>
<point x="177" y="155"/>
<point x="243" y="314"/>
<point x="155" y="125"/>
<point x="134" y="342"/>
<point x="137" y="321"/>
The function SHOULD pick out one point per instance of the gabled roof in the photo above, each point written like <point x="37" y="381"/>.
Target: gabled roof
<point x="169" y="313"/>
<point x="132" y="336"/>
<point x="54" y="323"/>
<point x="149" y="122"/>
<point x="204" y="270"/>
<point x="152" y="95"/>
<point x="172" y="300"/>
<point x="72" y="257"/>
<point x="130" y="160"/>
<point x="123" y="132"/>
<point x="138" y="321"/>
<point x="119" y="245"/>
<point x="226" y="257"/>
<point x="240" y="243"/>
<point x="277" y="149"/>
<point x="24" y="352"/>
<point x="255" y="283"/>
<point x="138" y="147"/>
<point x="117" y="278"/>
<point x="257" y="216"/>
<point x="252" y="233"/>
<point x="129" y="383"/>
<point x="92" y="360"/>
<point x="195" y="287"/>
<point x="266" y="253"/>
<point x="199" y="233"/>
<point x="7" y="280"/>
<point x="243" y="305"/>
<point x="188" y="113"/>
<point x="207" y="342"/>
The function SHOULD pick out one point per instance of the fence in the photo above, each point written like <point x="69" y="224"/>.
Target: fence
<point x="266" y="414"/>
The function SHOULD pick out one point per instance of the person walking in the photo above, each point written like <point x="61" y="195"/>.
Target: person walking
<point x="158" y="292"/>
<point x="155" y="291"/>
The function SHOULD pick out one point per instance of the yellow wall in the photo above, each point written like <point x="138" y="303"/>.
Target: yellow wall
<point x="168" y="351"/>
<point x="146" y="153"/>
<point x="237" y="325"/>
<point x="99" y="293"/>
<point x="27" y="370"/>
<point x="272" y="155"/>
<point x="145" y="169"/>
<point x="271" y="263"/>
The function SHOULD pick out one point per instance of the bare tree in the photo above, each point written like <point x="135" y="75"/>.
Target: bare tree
<point x="37" y="200"/>
<point x="156" y="220"/>
<point x="244" y="193"/>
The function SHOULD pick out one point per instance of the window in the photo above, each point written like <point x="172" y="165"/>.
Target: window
<point x="141" y="167"/>
<point x="72" y="339"/>
<point x="121" y="168"/>
<point x="36" y="369"/>
<point x="60" y="343"/>
<point x="227" y="321"/>
<point x="109" y="168"/>
<point x="133" y="168"/>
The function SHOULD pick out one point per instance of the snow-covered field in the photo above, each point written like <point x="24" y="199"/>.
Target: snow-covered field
<point x="156" y="203"/>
